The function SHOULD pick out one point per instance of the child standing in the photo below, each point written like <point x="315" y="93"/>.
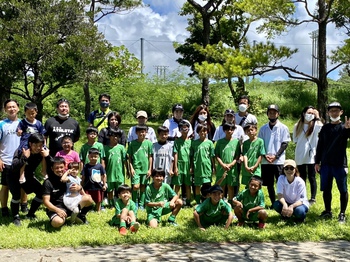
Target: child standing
<point x="182" y="175"/>
<point x="202" y="160"/>
<point x="91" y="133"/>
<point x="213" y="211"/>
<point x="163" y="154"/>
<point x="125" y="211"/>
<point x="158" y="195"/>
<point x="253" y="152"/>
<point x="140" y="161"/>
<point x="115" y="160"/>
<point x="94" y="178"/>
<point x="250" y="203"/>
<point x="142" y="117"/>
<point x="68" y="153"/>
<point x="227" y="152"/>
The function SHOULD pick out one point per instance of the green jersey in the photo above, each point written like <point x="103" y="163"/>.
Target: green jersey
<point x="140" y="152"/>
<point x="214" y="212"/>
<point x="248" y="201"/>
<point x="119" y="206"/>
<point x="84" y="152"/>
<point x="252" y="150"/>
<point x="182" y="149"/>
<point x="227" y="151"/>
<point x="202" y="153"/>
<point x="164" y="193"/>
<point x="114" y="160"/>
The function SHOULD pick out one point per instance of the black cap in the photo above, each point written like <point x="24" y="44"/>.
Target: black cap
<point x="215" y="188"/>
<point x="229" y="112"/>
<point x="178" y="107"/>
<point x="273" y="107"/>
<point x="334" y="104"/>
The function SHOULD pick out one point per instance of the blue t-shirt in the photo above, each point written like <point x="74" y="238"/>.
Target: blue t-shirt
<point x="9" y="141"/>
<point x="28" y="129"/>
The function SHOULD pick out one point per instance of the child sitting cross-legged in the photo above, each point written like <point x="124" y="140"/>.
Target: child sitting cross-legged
<point x="249" y="205"/>
<point x="161" y="200"/>
<point x="125" y="211"/>
<point x="213" y="211"/>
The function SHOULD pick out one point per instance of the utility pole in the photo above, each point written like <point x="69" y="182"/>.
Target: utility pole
<point x="142" y="54"/>
<point x="314" y="53"/>
<point x="160" y="70"/>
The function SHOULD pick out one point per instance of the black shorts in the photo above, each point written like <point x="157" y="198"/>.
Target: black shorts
<point x="269" y="173"/>
<point x="5" y="172"/>
<point x="52" y="214"/>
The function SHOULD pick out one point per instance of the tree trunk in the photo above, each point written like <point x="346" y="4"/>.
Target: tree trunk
<point x="87" y="98"/>
<point x="205" y="91"/>
<point x="4" y="95"/>
<point x="233" y="92"/>
<point x="206" y="36"/>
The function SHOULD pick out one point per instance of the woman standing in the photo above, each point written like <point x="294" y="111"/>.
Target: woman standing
<point x="202" y="116"/>
<point x="291" y="193"/>
<point x="305" y="135"/>
<point x="114" y="120"/>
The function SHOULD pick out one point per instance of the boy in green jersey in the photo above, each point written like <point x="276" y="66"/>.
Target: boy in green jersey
<point x="140" y="161"/>
<point x="115" y="160"/>
<point x="161" y="200"/>
<point x="91" y="134"/>
<point x="182" y="175"/>
<point x="213" y="211"/>
<point x="253" y="151"/>
<point x="125" y="211"/>
<point x="250" y="204"/>
<point x="227" y="152"/>
<point x="202" y="160"/>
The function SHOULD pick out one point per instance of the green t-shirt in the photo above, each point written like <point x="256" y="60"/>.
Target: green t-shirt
<point x="119" y="206"/>
<point x="114" y="160"/>
<point x="202" y="152"/>
<point x="248" y="201"/>
<point x="164" y="193"/>
<point x="84" y="152"/>
<point x="252" y="150"/>
<point x="182" y="149"/>
<point x="215" y="212"/>
<point x="227" y="151"/>
<point x="140" y="152"/>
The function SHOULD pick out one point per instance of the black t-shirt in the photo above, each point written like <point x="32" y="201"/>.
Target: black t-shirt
<point x="90" y="170"/>
<point x="55" y="188"/>
<point x="104" y="138"/>
<point x="56" y="128"/>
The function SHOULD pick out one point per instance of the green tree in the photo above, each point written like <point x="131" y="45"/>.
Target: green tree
<point x="49" y="46"/>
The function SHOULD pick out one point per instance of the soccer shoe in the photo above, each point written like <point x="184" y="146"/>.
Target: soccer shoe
<point x="341" y="218"/>
<point x="31" y="216"/>
<point x="261" y="225"/>
<point x="123" y="231"/>
<point x="326" y="214"/>
<point x="17" y="221"/>
<point x="135" y="227"/>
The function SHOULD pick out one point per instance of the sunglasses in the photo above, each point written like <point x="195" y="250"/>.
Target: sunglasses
<point x="289" y="168"/>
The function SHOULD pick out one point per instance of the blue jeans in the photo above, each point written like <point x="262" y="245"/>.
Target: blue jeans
<point x="299" y="212"/>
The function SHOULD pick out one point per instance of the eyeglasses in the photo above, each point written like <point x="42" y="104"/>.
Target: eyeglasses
<point x="291" y="168"/>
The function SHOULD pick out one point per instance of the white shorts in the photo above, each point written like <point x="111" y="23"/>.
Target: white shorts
<point x="71" y="202"/>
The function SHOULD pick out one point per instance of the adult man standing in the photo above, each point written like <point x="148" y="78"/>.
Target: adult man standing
<point x="99" y="117"/>
<point x="59" y="126"/>
<point x="243" y="116"/>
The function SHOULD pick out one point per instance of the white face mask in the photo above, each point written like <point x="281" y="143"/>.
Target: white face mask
<point x="335" y="119"/>
<point x="242" y="108"/>
<point x="309" y="117"/>
<point x="202" y="117"/>
<point x="63" y="116"/>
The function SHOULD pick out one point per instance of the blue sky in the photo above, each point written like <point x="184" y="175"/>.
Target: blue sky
<point x="160" y="25"/>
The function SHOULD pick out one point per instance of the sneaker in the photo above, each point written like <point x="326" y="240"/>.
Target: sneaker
<point x="341" y="218"/>
<point x="141" y="208"/>
<point x="17" y="221"/>
<point x="81" y="219"/>
<point x="123" y="231"/>
<point x="31" y="216"/>
<point x="135" y="227"/>
<point x="326" y="214"/>
<point x="5" y="212"/>
<point x="312" y="201"/>
<point x="261" y="225"/>
<point x="105" y="202"/>
<point x="173" y="223"/>
<point x="24" y="208"/>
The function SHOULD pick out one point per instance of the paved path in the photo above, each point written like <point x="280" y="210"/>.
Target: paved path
<point x="290" y="251"/>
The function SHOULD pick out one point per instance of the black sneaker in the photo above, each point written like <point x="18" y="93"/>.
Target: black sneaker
<point x="341" y="218"/>
<point x="326" y="214"/>
<point x="5" y="212"/>
<point x="81" y="219"/>
<point x="312" y="201"/>
<point x="17" y="221"/>
<point x="31" y="216"/>
<point x="24" y="208"/>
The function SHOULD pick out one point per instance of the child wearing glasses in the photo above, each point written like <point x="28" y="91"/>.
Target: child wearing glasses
<point x="291" y="192"/>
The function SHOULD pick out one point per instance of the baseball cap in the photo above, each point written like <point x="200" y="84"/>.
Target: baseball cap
<point x="215" y="188"/>
<point x="334" y="104"/>
<point x="178" y="107"/>
<point x="141" y="113"/>
<point x="290" y="162"/>
<point x="229" y="112"/>
<point x="274" y="107"/>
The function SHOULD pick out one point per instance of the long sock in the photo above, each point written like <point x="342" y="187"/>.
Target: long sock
<point x="122" y="224"/>
<point x="142" y="198"/>
<point x="198" y="199"/>
<point x="84" y="210"/>
<point x="134" y="196"/>
<point x="15" y="207"/>
<point x="171" y="218"/>
<point x="272" y="194"/>
<point x="327" y="199"/>
<point x="343" y="201"/>
<point x="34" y="206"/>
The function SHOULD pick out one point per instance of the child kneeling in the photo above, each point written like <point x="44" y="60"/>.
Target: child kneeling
<point x="249" y="205"/>
<point x="157" y="204"/>
<point x="214" y="210"/>
<point x="125" y="211"/>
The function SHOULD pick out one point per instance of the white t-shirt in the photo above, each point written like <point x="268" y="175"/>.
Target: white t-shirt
<point x="305" y="149"/>
<point x="292" y="192"/>
<point x="249" y="119"/>
<point x="174" y="128"/>
<point x="151" y="135"/>
<point x="237" y="133"/>
<point x="273" y="140"/>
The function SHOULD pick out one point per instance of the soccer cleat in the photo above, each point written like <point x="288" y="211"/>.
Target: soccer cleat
<point x="81" y="219"/>
<point x="24" y="208"/>
<point x="326" y="214"/>
<point x="31" y="216"/>
<point x="123" y="231"/>
<point x="17" y="221"/>
<point x="261" y="225"/>
<point x="341" y="218"/>
<point x="135" y="227"/>
<point x="312" y="201"/>
<point x="173" y="223"/>
<point x="5" y="212"/>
